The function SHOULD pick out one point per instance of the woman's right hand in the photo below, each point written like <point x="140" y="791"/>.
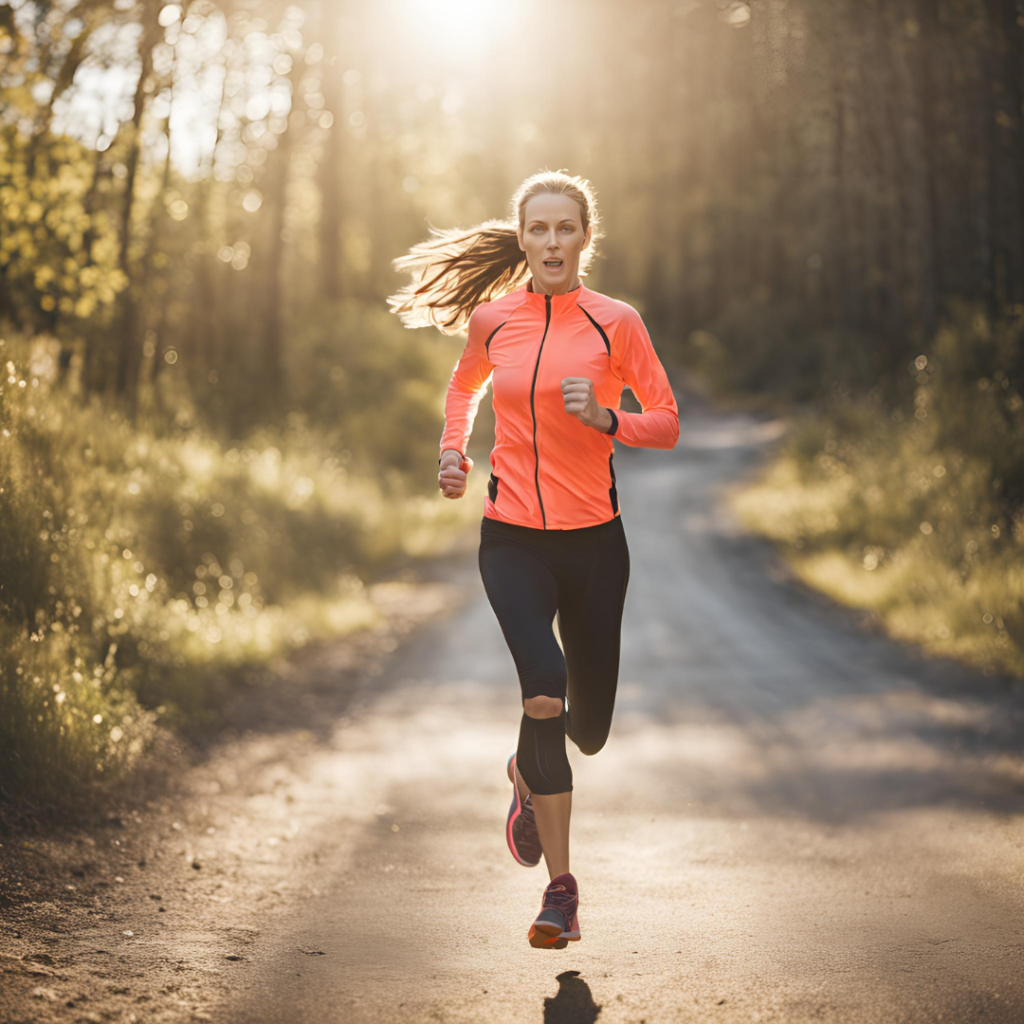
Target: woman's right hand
<point x="454" y="471"/>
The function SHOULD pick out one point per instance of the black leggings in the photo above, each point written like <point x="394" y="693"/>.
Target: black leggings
<point x="529" y="575"/>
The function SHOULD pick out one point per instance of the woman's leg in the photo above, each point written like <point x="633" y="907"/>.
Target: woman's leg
<point x="590" y="624"/>
<point x="591" y="597"/>
<point x="553" y="813"/>
<point x="523" y="592"/>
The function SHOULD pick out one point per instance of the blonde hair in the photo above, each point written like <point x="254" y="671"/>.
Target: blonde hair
<point x="457" y="269"/>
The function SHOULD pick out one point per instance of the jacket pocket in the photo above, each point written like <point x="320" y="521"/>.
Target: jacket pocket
<point x="492" y="488"/>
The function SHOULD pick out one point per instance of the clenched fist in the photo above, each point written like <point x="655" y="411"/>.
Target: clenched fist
<point x="454" y="470"/>
<point x="578" y="395"/>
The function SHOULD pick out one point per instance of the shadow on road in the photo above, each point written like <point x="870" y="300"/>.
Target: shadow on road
<point x="573" y="1004"/>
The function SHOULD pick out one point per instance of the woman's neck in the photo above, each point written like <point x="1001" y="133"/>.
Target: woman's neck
<point x="531" y="286"/>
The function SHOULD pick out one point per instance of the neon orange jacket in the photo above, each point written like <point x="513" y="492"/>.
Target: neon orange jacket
<point x="548" y="470"/>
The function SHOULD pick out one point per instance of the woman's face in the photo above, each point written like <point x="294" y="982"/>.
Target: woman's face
<point x="552" y="237"/>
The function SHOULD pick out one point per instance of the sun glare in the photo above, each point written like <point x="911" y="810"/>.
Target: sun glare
<point x="456" y="24"/>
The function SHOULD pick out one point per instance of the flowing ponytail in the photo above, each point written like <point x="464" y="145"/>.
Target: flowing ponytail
<point x="457" y="269"/>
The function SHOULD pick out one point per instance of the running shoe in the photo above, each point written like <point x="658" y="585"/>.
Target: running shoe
<point x="558" y="922"/>
<point x="521" y="826"/>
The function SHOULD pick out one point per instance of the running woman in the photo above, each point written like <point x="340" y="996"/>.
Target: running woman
<point x="551" y="537"/>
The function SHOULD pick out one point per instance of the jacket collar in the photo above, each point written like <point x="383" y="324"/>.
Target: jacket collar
<point x="559" y="303"/>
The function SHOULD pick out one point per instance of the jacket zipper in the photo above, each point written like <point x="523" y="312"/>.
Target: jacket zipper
<point x="533" y="412"/>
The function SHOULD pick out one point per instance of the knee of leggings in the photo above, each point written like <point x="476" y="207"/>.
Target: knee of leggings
<point x="589" y="740"/>
<point x="541" y="757"/>
<point x="592" y="744"/>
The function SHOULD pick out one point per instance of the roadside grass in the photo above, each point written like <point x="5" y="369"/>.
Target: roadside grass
<point x="915" y="511"/>
<point x="140" y="575"/>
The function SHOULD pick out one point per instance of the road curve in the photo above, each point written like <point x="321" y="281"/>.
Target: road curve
<point x="794" y="819"/>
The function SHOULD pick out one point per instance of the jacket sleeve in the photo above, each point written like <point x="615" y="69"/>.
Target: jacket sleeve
<point x="635" y="363"/>
<point x="467" y="385"/>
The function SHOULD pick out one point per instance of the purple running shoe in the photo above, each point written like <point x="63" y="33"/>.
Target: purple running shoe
<point x="558" y="922"/>
<point x="521" y="826"/>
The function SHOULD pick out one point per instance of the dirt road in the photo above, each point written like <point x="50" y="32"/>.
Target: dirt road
<point x="794" y="819"/>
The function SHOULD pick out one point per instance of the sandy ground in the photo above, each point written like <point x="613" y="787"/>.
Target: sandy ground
<point x="794" y="819"/>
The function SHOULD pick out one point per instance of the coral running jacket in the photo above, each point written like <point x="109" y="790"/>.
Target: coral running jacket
<point x="548" y="470"/>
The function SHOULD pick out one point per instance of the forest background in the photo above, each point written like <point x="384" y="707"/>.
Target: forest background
<point x="213" y="433"/>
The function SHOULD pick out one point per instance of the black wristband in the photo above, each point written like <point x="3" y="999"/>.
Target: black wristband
<point x="615" y="423"/>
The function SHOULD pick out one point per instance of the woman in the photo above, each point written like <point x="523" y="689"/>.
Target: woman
<point x="551" y="539"/>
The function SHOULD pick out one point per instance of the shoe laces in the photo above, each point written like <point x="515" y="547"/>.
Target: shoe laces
<point x="557" y="897"/>
<point x="526" y="812"/>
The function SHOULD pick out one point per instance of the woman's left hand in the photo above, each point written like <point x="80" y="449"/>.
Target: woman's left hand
<point x="578" y="395"/>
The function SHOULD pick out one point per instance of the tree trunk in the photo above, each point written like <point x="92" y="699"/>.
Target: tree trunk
<point x="932" y="276"/>
<point x="129" y="348"/>
<point x="330" y="175"/>
<point x="275" y="196"/>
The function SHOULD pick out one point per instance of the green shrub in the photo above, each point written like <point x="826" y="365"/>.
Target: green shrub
<point x="916" y="510"/>
<point x="139" y="574"/>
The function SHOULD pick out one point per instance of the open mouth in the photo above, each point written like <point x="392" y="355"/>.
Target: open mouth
<point x="552" y="264"/>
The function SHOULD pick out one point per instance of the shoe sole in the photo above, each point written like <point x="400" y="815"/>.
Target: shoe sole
<point x="547" y="936"/>
<point x="514" y="811"/>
